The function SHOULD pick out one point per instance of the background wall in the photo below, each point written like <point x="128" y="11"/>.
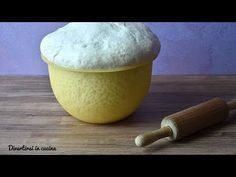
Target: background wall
<point x="187" y="48"/>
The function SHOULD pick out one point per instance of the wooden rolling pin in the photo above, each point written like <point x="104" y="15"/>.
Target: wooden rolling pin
<point x="186" y="122"/>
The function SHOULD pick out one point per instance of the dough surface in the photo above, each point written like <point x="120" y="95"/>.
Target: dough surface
<point x="107" y="45"/>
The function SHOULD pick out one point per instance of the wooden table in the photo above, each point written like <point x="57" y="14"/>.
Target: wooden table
<point x="31" y="116"/>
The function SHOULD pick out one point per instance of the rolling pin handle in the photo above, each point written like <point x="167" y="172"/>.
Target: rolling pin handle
<point x="150" y="137"/>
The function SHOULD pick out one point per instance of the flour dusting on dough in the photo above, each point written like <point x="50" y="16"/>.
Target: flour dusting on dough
<point x="108" y="45"/>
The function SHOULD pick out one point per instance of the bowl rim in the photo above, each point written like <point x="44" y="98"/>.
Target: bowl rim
<point x="95" y="70"/>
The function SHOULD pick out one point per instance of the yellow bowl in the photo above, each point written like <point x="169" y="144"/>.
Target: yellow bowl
<point x="100" y="97"/>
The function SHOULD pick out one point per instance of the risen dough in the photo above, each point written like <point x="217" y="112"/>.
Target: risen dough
<point x="104" y="46"/>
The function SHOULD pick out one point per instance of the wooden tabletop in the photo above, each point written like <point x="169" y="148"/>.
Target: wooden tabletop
<point x="31" y="117"/>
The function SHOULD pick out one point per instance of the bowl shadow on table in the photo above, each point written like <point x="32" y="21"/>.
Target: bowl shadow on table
<point x="204" y="133"/>
<point x="156" y="106"/>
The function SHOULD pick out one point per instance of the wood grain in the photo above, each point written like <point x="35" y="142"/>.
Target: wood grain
<point x="31" y="116"/>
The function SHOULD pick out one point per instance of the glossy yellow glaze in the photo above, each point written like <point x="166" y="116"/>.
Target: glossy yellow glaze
<point x="100" y="97"/>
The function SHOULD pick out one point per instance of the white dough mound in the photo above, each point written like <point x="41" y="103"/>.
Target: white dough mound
<point x="104" y="45"/>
